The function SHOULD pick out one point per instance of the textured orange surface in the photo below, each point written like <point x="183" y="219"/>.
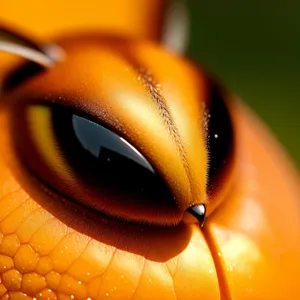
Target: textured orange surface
<point x="255" y="242"/>
<point x="249" y="247"/>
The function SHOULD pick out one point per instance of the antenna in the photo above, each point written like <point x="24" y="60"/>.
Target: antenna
<point x="16" y="43"/>
<point x="176" y="30"/>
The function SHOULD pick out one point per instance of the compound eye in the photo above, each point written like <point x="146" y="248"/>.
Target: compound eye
<point x="220" y="137"/>
<point x="91" y="164"/>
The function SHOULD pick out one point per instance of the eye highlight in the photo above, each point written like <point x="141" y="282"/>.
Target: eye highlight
<point x="99" y="141"/>
<point x="88" y="163"/>
<point x="220" y="137"/>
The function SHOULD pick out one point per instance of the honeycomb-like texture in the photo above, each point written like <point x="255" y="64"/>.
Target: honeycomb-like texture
<point x="42" y="258"/>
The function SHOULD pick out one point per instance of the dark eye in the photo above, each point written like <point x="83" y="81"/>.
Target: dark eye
<point x="219" y="136"/>
<point x="93" y="165"/>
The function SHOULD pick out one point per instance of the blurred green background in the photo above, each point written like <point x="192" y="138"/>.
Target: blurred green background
<point x="253" y="47"/>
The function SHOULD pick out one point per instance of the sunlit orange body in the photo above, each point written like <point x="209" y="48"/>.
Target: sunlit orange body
<point x="249" y="247"/>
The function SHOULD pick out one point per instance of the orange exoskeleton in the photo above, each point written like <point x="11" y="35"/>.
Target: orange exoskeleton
<point x="115" y="149"/>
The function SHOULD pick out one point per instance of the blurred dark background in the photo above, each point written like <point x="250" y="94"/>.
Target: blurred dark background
<point x="253" y="47"/>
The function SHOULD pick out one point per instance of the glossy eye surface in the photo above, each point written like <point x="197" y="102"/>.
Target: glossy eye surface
<point x="88" y="163"/>
<point x="219" y="136"/>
